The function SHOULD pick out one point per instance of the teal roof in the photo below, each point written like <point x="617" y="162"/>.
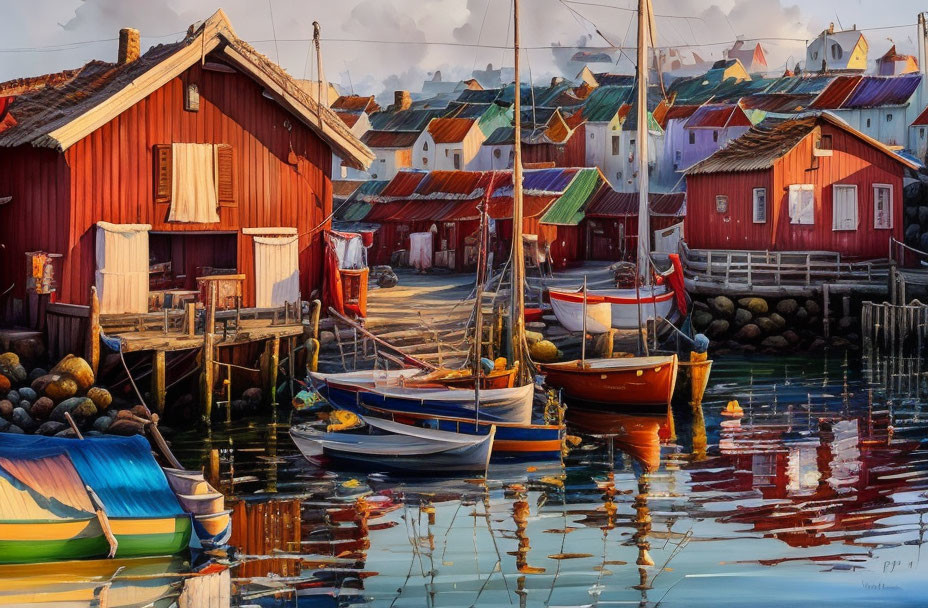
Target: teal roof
<point x="358" y="204"/>
<point x="604" y="102"/>
<point x="567" y="210"/>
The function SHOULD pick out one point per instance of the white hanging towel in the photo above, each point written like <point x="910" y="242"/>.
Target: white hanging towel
<point x="193" y="192"/>
<point x="122" y="267"/>
<point x="420" y="250"/>
<point x="277" y="271"/>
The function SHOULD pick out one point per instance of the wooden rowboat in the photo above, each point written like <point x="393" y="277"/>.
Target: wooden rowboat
<point x="212" y="522"/>
<point x="632" y="381"/>
<point x="398" y="447"/>
<point x="622" y="306"/>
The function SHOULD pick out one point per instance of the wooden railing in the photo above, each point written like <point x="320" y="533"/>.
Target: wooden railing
<point x="728" y="267"/>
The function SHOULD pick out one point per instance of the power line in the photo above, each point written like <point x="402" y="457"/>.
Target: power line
<point x="630" y="10"/>
<point x="67" y="46"/>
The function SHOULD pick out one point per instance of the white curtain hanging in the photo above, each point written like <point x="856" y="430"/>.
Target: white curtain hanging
<point x="277" y="270"/>
<point x="420" y="250"/>
<point x="193" y="191"/>
<point x="122" y="267"/>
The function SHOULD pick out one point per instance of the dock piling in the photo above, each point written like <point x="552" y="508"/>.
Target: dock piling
<point x="158" y="384"/>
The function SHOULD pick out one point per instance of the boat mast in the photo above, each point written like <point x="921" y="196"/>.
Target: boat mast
<point x="644" y="224"/>
<point x="478" y="311"/>
<point x="583" y="342"/>
<point x="517" y="309"/>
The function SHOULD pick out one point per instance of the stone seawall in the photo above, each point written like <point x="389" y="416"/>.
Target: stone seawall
<point x="773" y="325"/>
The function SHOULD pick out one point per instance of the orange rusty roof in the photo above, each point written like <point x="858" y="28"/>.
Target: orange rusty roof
<point x="450" y="130"/>
<point x="356" y="103"/>
<point x="349" y="118"/>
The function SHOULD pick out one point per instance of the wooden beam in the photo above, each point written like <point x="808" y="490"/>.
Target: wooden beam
<point x="93" y="332"/>
<point x="158" y="384"/>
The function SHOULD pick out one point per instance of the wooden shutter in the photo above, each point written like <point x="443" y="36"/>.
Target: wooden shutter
<point x="225" y="184"/>
<point x="163" y="178"/>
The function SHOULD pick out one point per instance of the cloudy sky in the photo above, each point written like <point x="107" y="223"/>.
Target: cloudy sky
<point x="377" y="45"/>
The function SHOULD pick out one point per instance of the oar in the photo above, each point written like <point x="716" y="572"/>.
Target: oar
<point x="104" y="521"/>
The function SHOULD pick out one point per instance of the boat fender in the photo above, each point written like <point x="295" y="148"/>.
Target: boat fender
<point x="700" y="343"/>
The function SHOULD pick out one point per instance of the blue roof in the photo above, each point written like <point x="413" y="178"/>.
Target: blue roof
<point x="874" y="91"/>
<point x="554" y="180"/>
<point x="121" y="471"/>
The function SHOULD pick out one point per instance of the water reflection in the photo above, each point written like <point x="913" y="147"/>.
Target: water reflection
<point x="815" y="492"/>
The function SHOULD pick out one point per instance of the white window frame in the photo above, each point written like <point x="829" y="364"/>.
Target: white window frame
<point x="876" y="225"/>
<point x="834" y="202"/>
<point x="757" y="217"/>
<point x="721" y="203"/>
<point x="793" y="219"/>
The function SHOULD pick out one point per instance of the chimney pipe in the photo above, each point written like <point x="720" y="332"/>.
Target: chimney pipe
<point x="402" y="100"/>
<point x="129" y="49"/>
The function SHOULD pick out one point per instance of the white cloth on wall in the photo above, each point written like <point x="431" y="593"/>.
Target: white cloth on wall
<point x="193" y="189"/>
<point x="420" y="250"/>
<point x="277" y="270"/>
<point x="122" y="267"/>
<point x="350" y="253"/>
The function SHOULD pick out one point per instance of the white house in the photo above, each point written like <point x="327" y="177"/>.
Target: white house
<point x="833" y="50"/>
<point x="447" y="144"/>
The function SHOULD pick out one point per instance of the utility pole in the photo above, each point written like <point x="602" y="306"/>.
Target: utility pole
<point x="323" y="97"/>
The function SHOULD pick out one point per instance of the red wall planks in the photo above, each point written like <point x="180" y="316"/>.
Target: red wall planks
<point x="107" y="176"/>
<point x="853" y="162"/>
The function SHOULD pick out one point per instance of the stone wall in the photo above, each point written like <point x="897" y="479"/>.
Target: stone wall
<point x="773" y="325"/>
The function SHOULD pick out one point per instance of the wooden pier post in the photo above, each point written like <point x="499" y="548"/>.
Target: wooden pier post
<point x="93" y="332"/>
<point x="271" y="360"/>
<point x="826" y="325"/>
<point x="191" y="319"/>
<point x="158" y="384"/>
<point x="207" y="378"/>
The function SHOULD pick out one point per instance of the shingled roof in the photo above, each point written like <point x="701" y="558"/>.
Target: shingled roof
<point x="772" y="139"/>
<point x="66" y="107"/>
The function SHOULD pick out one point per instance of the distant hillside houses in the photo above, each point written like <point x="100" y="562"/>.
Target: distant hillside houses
<point x="591" y="120"/>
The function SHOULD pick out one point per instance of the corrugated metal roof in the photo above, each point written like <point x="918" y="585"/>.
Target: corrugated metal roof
<point x="349" y="118"/>
<point x="604" y="103"/>
<point x="358" y="204"/>
<point x="500" y="208"/>
<point x="836" y="93"/>
<point x="609" y="203"/>
<point x="404" y="120"/>
<point x="403" y="184"/>
<point x="536" y="182"/>
<point x="568" y="209"/>
<point x="390" y="139"/>
<point x="760" y="147"/>
<point x="874" y="91"/>
<point x="450" y="183"/>
<point x="484" y="96"/>
<point x="450" y="130"/>
<point x="717" y="116"/>
<point x="343" y="188"/>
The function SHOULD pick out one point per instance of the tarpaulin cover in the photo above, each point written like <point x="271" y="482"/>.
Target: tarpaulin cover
<point x="42" y="489"/>
<point x="121" y="470"/>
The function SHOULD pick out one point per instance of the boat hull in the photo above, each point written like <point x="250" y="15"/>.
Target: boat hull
<point x="616" y="308"/>
<point x="639" y="381"/>
<point x="568" y="308"/>
<point x="47" y="541"/>
<point x="150" y="537"/>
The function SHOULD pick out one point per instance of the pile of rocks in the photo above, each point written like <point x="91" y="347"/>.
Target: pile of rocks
<point x="767" y="325"/>
<point x="36" y="401"/>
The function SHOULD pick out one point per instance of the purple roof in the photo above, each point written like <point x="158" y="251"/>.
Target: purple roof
<point x="541" y="180"/>
<point x="874" y="91"/>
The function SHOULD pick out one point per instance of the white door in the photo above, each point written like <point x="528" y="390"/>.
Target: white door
<point x="122" y="267"/>
<point x="277" y="270"/>
<point x="668" y="239"/>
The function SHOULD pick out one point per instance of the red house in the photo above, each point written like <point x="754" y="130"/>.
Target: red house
<point x="198" y="156"/>
<point x="806" y="184"/>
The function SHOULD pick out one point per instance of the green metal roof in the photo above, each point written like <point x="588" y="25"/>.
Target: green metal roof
<point x="604" y="102"/>
<point x="496" y="116"/>
<point x="568" y="209"/>
<point x="358" y="204"/>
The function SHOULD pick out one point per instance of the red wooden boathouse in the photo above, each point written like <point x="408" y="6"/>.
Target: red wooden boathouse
<point x="91" y="159"/>
<point x="808" y="184"/>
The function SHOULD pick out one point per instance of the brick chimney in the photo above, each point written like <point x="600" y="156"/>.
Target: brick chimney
<point x="129" y="49"/>
<point x="402" y="100"/>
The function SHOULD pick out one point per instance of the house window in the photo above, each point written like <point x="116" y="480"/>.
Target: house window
<point x="764" y="469"/>
<point x="677" y="156"/>
<point x="631" y="145"/>
<point x="844" y="207"/>
<point x="512" y="156"/>
<point x="882" y="206"/>
<point x="825" y="143"/>
<point x="446" y="152"/>
<point x="715" y="136"/>
<point x="760" y="205"/>
<point x="802" y="204"/>
<point x="616" y="145"/>
<point x="692" y="138"/>
<point x="921" y="132"/>
<point x="383" y="160"/>
<point x="721" y="203"/>
<point x="425" y="161"/>
<point x="889" y="117"/>
<point x="868" y="123"/>
<point x="192" y="98"/>
<point x="497" y="153"/>
<point x="457" y="159"/>
<point x="425" y="146"/>
<point x="836" y="51"/>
